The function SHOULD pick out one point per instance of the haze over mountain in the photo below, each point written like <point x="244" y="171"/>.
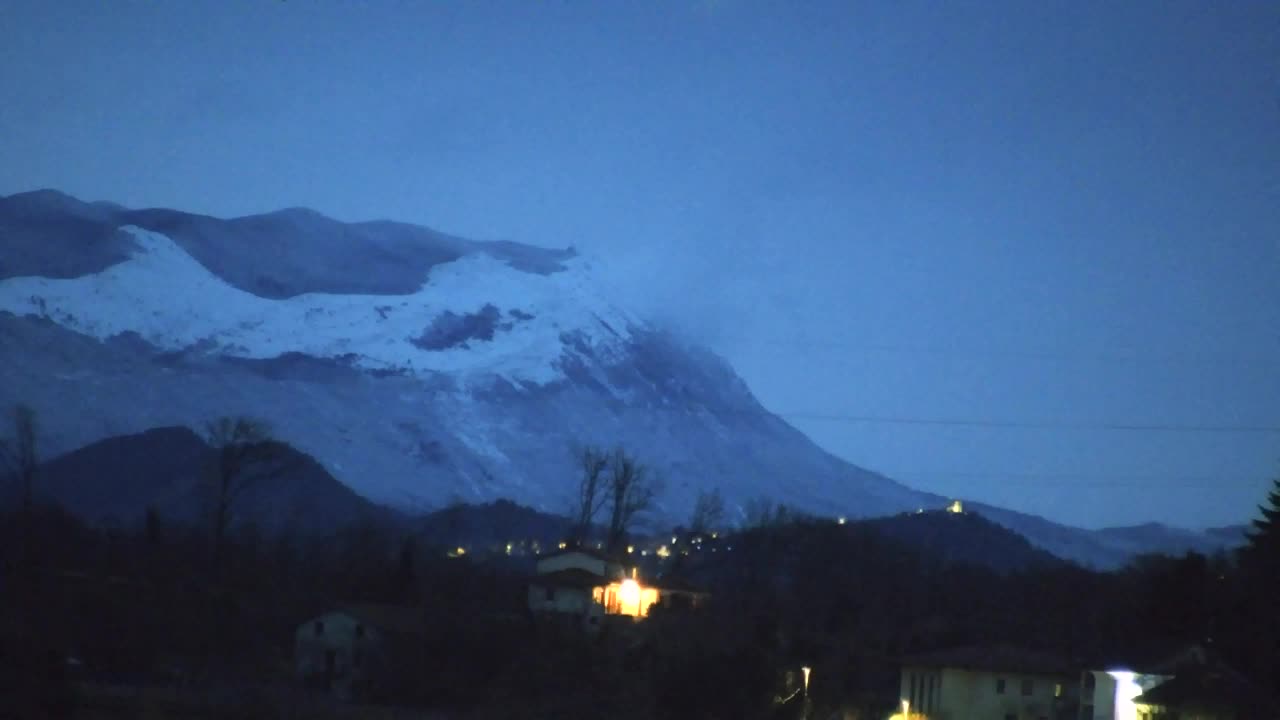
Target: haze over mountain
<point x="416" y="367"/>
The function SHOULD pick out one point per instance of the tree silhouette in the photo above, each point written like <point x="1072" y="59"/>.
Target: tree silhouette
<point x="1263" y="551"/>
<point x="592" y="494"/>
<point x="631" y="491"/>
<point x="246" y="454"/>
<point x="708" y="511"/>
<point x="20" y="459"/>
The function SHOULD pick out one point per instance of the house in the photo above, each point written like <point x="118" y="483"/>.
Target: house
<point x="351" y="651"/>
<point x="1207" y="691"/>
<point x="989" y="682"/>
<point x="1013" y="684"/>
<point x="1109" y="694"/>
<point x="587" y="586"/>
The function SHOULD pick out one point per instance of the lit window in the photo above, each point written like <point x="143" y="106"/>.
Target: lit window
<point x="1057" y="690"/>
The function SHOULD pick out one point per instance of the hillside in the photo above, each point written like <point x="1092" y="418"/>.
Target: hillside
<point x="113" y="482"/>
<point x="416" y="368"/>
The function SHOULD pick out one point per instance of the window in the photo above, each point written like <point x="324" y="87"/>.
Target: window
<point x="1057" y="690"/>
<point x="1027" y="686"/>
<point x="999" y="686"/>
<point x="319" y="627"/>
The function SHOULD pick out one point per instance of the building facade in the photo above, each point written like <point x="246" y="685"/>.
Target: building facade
<point x="997" y="683"/>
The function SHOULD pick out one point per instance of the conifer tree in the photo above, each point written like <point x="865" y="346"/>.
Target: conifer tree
<point x="1263" y="550"/>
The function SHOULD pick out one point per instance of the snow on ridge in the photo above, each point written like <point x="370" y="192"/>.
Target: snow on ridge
<point x="174" y="302"/>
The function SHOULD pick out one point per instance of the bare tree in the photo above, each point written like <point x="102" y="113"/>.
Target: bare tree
<point x="20" y="459"/>
<point x="246" y="453"/>
<point x="708" y="511"/>
<point x="19" y="456"/>
<point x="592" y="493"/>
<point x="631" y="491"/>
<point x="763" y="513"/>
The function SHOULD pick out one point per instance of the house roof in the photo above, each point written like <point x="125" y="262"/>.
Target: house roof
<point x="1207" y="688"/>
<point x="400" y="619"/>
<point x="570" y="577"/>
<point x="996" y="658"/>
<point x="589" y="552"/>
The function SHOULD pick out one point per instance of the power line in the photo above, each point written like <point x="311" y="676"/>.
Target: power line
<point x="1111" y="354"/>
<point x="1077" y="480"/>
<point x="1026" y="425"/>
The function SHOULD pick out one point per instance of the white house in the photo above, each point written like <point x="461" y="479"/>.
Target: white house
<point x="988" y="682"/>
<point x="587" y="586"/>
<point x="345" y="651"/>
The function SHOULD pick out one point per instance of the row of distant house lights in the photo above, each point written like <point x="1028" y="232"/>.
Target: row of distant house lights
<point x="663" y="551"/>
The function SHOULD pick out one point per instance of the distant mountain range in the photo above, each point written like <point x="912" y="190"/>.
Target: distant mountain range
<point x="418" y="369"/>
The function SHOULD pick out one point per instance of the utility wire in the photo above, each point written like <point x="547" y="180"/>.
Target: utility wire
<point x="1112" y="354"/>
<point x="1027" y="425"/>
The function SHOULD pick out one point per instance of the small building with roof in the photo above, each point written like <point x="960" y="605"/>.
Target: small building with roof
<point x="587" y="586"/>
<point x="1000" y="682"/>
<point x="351" y="650"/>
<point x="1207" y="690"/>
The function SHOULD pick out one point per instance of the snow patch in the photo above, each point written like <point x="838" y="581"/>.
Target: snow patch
<point x="174" y="302"/>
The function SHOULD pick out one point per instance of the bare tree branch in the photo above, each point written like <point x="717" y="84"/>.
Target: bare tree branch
<point x="708" y="511"/>
<point x="242" y="445"/>
<point x="21" y="457"/>
<point x="631" y="491"/>
<point x="591" y="496"/>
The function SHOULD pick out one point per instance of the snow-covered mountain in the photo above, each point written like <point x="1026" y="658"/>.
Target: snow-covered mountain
<point x="417" y="367"/>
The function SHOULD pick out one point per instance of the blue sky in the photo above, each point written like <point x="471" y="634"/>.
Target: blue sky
<point x="1063" y="212"/>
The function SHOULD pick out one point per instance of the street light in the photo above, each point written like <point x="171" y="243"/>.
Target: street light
<point x="906" y="709"/>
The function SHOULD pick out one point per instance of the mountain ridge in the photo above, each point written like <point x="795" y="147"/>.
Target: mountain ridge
<point x="476" y="384"/>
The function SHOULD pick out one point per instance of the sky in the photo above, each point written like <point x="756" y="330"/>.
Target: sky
<point x="1022" y="253"/>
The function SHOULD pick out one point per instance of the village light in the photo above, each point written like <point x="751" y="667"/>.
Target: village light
<point x="563" y="544"/>
<point x="906" y="709"/>
<point x="840" y="520"/>
<point x="1127" y="688"/>
<point x="631" y="549"/>
<point x="806" y="670"/>
<point x="629" y="594"/>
